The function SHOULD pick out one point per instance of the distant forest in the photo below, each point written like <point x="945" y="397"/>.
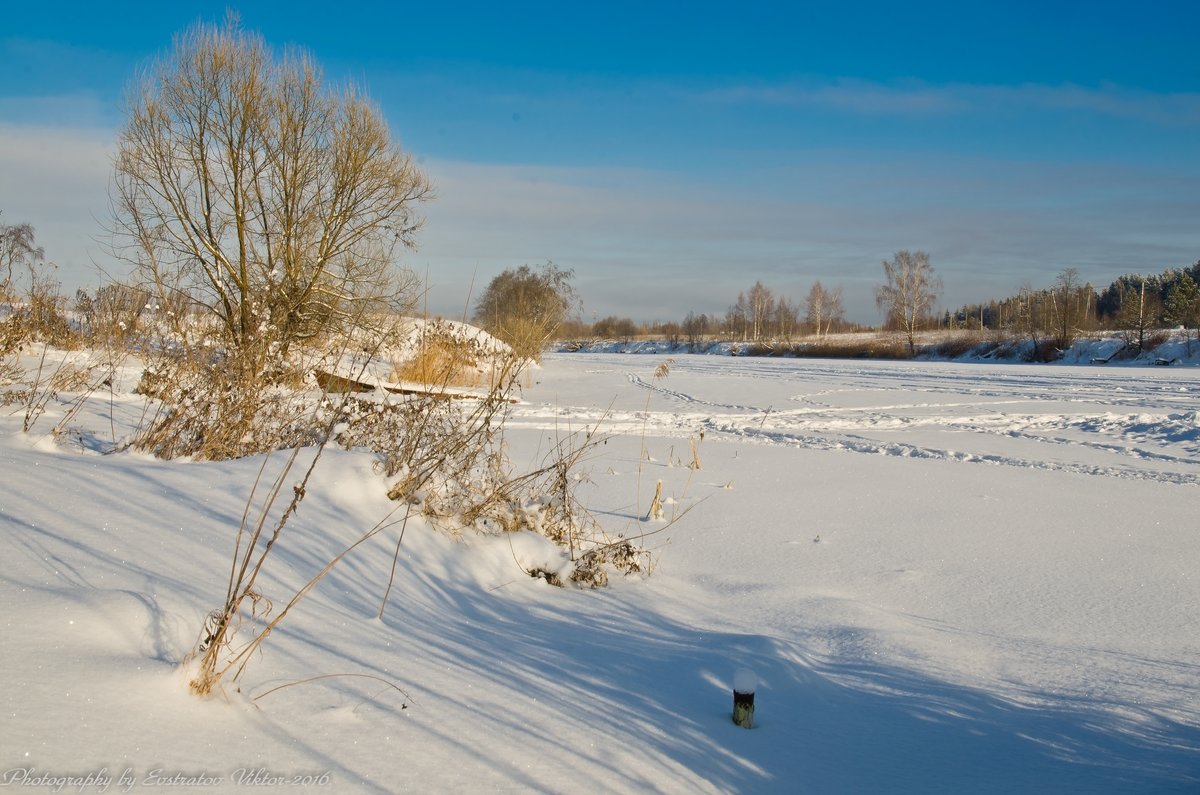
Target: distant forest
<point x="1051" y="316"/>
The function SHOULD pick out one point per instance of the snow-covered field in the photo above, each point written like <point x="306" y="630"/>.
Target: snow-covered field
<point x="946" y="578"/>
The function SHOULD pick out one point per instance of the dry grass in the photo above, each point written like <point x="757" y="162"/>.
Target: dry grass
<point x="854" y="347"/>
<point x="441" y="361"/>
<point x="960" y="345"/>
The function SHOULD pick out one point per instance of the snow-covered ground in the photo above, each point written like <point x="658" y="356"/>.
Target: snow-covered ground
<point x="945" y="577"/>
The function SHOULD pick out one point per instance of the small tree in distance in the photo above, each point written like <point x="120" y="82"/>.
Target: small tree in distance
<point x="1070" y="303"/>
<point x="908" y="294"/>
<point x="1139" y="313"/>
<point x="17" y="251"/>
<point x="524" y="307"/>
<point x="1183" y="307"/>
<point x="823" y="308"/>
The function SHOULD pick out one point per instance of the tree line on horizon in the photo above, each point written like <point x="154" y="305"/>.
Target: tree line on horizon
<point x="1053" y="317"/>
<point x="756" y="315"/>
<point x="527" y="307"/>
<point x="1050" y="317"/>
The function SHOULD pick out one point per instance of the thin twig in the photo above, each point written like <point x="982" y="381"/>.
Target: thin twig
<point x="312" y="679"/>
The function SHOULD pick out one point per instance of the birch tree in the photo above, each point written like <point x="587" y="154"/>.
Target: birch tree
<point x="823" y="308"/>
<point x="908" y="294"/>
<point x="18" y="251"/>
<point x="761" y="307"/>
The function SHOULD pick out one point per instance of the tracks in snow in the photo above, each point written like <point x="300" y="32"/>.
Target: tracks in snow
<point x="1133" y="423"/>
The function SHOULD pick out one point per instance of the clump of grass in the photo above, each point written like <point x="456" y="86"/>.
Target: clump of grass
<point x="444" y="357"/>
<point x="656" y="505"/>
<point x="694" y="443"/>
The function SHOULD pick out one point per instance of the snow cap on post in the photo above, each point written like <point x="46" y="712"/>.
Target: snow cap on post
<point x="744" y="684"/>
<point x="744" y="681"/>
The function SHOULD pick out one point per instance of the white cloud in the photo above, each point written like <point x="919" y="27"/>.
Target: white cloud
<point x="854" y="96"/>
<point x="652" y="245"/>
<point x="919" y="99"/>
<point x="56" y="178"/>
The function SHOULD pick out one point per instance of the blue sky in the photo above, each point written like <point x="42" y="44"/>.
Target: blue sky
<point x="673" y="154"/>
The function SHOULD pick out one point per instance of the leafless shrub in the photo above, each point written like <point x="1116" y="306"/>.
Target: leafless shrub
<point x="960" y="345"/>
<point x="13" y="335"/>
<point x="40" y="317"/>
<point x="761" y="349"/>
<point x="866" y="347"/>
<point x="545" y="502"/>
<point x="112" y="317"/>
<point x="1155" y="339"/>
<point x="217" y="649"/>
<point x="448" y="462"/>
<point x="13" y="338"/>
<point x="221" y="406"/>
<point x="1043" y="351"/>
<point x="216" y="403"/>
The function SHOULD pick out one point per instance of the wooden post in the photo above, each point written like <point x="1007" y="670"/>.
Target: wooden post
<point x="744" y="684"/>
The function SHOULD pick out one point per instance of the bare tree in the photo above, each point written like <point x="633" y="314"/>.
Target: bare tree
<point x="823" y="308"/>
<point x="835" y="310"/>
<point x="271" y="200"/>
<point x="612" y="327"/>
<point x="1070" y="301"/>
<point x="524" y="307"/>
<point x="17" y="251"/>
<point x="1033" y="319"/>
<point x="737" y="319"/>
<point x="696" y="328"/>
<point x="761" y="305"/>
<point x="814" y="306"/>
<point x="786" y="319"/>
<point x="1139" y="314"/>
<point x="908" y="295"/>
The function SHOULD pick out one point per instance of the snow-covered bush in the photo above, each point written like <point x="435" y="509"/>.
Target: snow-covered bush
<point x="446" y="459"/>
<point x="221" y="406"/>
